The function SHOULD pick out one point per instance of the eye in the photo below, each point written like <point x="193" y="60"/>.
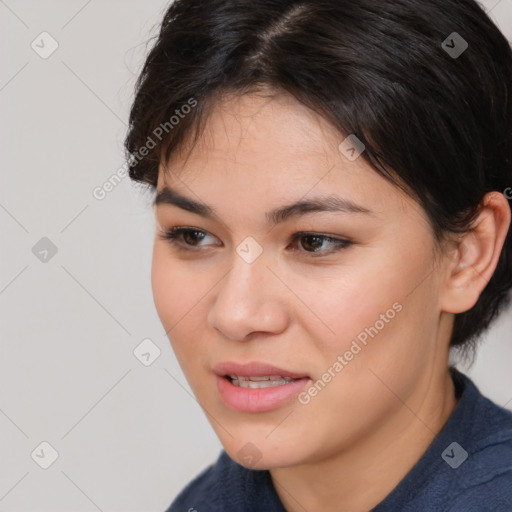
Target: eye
<point x="189" y="238"/>
<point x="314" y="242"/>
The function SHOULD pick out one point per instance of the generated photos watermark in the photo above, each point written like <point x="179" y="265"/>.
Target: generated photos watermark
<point x="355" y="348"/>
<point x="100" y="192"/>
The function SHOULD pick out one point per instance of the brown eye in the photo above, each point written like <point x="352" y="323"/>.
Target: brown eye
<point x="184" y="238"/>
<point x="312" y="243"/>
<point x="189" y="239"/>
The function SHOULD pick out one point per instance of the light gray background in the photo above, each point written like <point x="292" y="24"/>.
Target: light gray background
<point x="128" y="436"/>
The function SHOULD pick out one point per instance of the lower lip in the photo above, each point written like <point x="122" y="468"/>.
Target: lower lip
<point x="258" y="400"/>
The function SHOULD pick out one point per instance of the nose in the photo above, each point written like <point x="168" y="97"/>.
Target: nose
<point x="250" y="299"/>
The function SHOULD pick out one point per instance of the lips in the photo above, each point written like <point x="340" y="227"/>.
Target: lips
<point x="257" y="387"/>
<point x="254" y="369"/>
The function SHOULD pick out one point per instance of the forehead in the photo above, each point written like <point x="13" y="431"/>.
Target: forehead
<point x="274" y="147"/>
<point x="259" y="126"/>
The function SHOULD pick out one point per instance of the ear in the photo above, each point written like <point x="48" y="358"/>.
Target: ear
<point x="477" y="255"/>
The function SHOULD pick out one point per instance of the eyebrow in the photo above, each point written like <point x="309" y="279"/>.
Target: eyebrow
<point x="318" y="204"/>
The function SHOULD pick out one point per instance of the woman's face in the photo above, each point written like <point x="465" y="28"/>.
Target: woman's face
<point x="350" y="307"/>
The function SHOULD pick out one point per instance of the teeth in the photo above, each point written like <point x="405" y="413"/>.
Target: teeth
<point x="259" y="382"/>
<point x="260" y="378"/>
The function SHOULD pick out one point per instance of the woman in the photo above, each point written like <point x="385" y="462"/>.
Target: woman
<point x="332" y="201"/>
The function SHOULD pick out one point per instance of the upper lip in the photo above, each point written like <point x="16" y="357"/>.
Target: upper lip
<point x="253" y="369"/>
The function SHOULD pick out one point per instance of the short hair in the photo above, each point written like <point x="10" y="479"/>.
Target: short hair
<point x="424" y="84"/>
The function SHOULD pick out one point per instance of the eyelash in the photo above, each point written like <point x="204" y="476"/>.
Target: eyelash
<point x="172" y="235"/>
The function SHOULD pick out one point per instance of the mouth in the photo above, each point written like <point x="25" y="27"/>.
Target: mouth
<point x="257" y="387"/>
<point x="265" y="381"/>
<point x="256" y="371"/>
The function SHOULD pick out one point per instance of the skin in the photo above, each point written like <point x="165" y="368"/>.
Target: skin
<point x="360" y="435"/>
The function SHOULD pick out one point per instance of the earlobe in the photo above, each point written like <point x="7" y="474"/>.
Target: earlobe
<point x="477" y="255"/>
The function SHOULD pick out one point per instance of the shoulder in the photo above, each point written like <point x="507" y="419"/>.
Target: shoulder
<point x="488" y="432"/>
<point x="204" y="492"/>
<point x="481" y="480"/>
<point x="486" y="482"/>
<point x="468" y="467"/>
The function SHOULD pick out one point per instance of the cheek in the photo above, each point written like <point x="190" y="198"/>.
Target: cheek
<point x="356" y="301"/>
<point x="385" y="332"/>
<point x="166" y="286"/>
<point x="179" y="293"/>
<point x="379" y="303"/>
<point x="177" y="285"/>
<point x="376" y="313"/>
<point x="176" y="290"/>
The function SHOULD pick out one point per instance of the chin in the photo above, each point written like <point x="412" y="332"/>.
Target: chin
<point x="256" y="452"/>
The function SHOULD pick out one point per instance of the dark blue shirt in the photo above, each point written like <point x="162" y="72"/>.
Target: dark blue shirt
<point x="467" y="468"/>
